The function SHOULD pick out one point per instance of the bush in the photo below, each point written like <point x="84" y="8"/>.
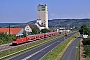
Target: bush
<point x="87" y="50"/>
<point x="45" y="30"/>
<point x="4" y="38"/>
<point x="35" y="31"/>
<point x="86" y="42"/>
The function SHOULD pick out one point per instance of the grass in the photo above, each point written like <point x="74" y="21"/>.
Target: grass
<point x="78" y="52"/>
<point x="57" y="53"/>
<point x="7" y="52"/>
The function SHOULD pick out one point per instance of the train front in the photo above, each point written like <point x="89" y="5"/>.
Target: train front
<point x="14" y="42"/>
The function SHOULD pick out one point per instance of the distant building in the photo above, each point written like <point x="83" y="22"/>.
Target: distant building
<point x="63" y="30"/>
<point x="28" y="28"/>
<point x="42" y="15"/>
<point x="12" y="31"/>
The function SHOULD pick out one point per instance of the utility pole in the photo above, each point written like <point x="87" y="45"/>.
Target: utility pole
<point x="9" y="28"/>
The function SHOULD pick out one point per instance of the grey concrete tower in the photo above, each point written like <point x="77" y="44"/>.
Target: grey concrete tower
<point x="43" y="15"/>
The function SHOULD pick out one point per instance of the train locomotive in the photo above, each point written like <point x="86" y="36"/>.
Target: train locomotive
<point x="33" y="37"/>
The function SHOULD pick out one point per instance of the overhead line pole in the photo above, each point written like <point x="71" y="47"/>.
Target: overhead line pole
<point x="9" y="28"/>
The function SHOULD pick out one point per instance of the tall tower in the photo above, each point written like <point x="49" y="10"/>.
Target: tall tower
<point x="43" y="15"/>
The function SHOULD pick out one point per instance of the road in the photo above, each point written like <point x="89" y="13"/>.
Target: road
<point x="39" y="52"/>
<point x="70" y="53"/>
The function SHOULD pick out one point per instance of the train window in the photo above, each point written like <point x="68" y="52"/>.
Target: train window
<point x="14" y="39"/>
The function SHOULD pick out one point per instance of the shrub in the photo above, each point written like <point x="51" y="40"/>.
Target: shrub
<point x="45" y="30"/>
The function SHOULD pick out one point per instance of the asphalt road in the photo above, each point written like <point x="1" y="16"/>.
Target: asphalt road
<point x="39" y="52"/>
<point x="70" y="53"/>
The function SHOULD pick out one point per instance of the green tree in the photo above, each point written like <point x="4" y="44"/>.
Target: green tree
<point x="24" y="33"/>
<point x="45" y="30"/>
<point x="35" y="31"/>
<point x="5" y="38"/>
<point x="84" y="29"/>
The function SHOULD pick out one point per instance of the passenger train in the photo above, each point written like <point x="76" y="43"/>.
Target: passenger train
<point x="33" y="37"/>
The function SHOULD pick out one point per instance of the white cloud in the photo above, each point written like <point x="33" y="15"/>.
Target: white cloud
<point x="64" y="16"/>
<point x="88" y="14"/>
<point x="52" y="14"/>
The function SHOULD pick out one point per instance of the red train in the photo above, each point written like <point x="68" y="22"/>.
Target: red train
<point x="33" y="37"/>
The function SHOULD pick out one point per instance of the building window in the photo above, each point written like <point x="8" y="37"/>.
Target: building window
<point x="44" y="24"/>
<point x="43" y="7"/>
<point x="27" y="29"/>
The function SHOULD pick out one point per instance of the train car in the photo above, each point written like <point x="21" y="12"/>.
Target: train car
<point x="45" y="35"/>
<point x="55" y="33"/>
<point x="29" y="38"/>
<point x="41" y="36"/>
<point x="50" y="34"/>
<point x="32" y="37"/>
<point x="37" y="37"/>
<point x="19" y="40"/>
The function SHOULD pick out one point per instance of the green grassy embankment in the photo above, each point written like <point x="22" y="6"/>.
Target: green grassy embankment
<point x="27" y="47"/>
<point x="78" y="52"/>
<point x="57" y="53"/>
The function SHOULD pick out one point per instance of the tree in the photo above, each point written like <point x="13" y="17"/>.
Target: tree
<point x="35" y="31"/>
<point x="84" y="29"/>
<point x="5" y="38"/>
<point x="24" y="33"/>
<point x="45" y="30"/>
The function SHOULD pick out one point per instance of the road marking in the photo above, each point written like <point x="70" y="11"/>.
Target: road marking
<point x="49" y="51"/>
<point x="76" y="47"/>
<point x="37" y="52"/>
<point x="70" y="53"/>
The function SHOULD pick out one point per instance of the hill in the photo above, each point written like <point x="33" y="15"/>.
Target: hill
<point x="55" y="23"/>
<point x="69" y="22"/>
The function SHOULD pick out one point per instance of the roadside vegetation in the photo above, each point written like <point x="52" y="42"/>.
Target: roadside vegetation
<point x="27" y="47"/>
<point x="86" y="45"/>
<point x="78" y="52"/>
<point x="57" y="53"/>
<point x="45" y="30"/>
<point x="85" y="30"/>
<point x="5" y="38"/>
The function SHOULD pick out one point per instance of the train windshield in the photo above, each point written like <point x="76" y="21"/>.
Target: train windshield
<point x="14" y="39"/>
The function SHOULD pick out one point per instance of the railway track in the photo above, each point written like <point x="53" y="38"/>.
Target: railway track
<point x="10" y="46"/>
<point x="5" y="47"/>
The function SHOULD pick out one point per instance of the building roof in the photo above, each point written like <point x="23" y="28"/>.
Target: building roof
<point x="13" y="31"/>
<point x="40" y="25"/>
<point x="33" y="26"/>
<point x="42" y="4"/>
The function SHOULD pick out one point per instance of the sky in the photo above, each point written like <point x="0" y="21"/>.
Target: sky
<point x="22" y="11"/>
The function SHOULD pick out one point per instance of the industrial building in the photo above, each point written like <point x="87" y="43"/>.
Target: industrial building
<point x="42" y="19"/>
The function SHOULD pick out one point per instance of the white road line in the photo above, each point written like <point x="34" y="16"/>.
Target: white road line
<point x="37" y="52"/>
<point x="70" y="53"/>
<point x="49" y="51"/>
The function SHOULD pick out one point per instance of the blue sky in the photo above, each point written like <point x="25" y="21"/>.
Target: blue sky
<point x="12" y="11"/>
